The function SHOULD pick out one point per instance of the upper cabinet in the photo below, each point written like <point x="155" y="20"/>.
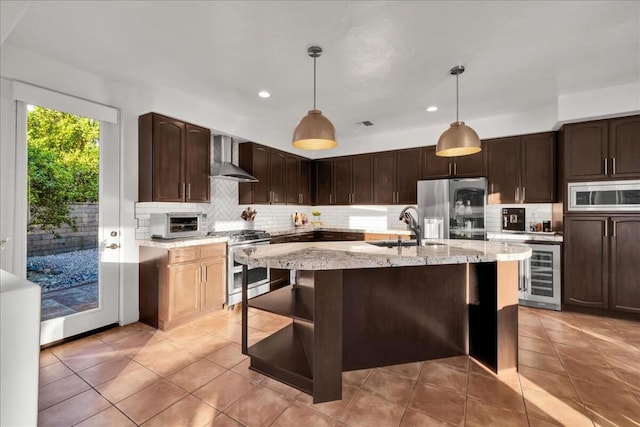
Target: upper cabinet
<point x="268" y="165"/>
<point x="297" y="182"/>
<point x="522" y="169"/>
<point x="603" y="149"/>
<point x="436" y="167"/>
<point x="344" y="180"/>
<point x="396" y="176"/>
<point x="174" y="160"/>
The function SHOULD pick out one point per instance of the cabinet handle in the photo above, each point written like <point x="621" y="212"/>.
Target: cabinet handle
<point x="517" y="193"/>
<point x="613" y="228"/>
<point x="181" y="190"/>
<point x="605" y="165"/>
<point x="330" y="198"/>
<point x="189" y="191"/>
<point x="524" y="193"/>
<point x="606" y="228"/>
<point x="455" y="169"/>
<point x="393" y="197"/>
<point x="449" y="168"/>
<point x="613" y="166"/>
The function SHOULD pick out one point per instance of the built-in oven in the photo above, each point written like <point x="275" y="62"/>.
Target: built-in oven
<point x="258" y="276"/>
<point x="604" y="196"/>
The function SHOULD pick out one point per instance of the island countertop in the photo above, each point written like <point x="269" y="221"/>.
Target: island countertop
<point x="353" y="255"/>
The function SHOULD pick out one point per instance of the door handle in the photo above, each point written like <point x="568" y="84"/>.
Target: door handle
<point x="3" y="241"/>
<point x="112" y="246"/>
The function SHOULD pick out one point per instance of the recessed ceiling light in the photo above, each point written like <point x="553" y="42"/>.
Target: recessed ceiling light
<point x="432" y="109"/>
<point x="264" y="94"/>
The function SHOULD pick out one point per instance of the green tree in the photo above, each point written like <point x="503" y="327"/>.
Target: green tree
<point x="63" y="164"/>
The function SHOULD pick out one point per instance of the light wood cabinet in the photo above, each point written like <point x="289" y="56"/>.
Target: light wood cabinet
<point x="178" y="285"/>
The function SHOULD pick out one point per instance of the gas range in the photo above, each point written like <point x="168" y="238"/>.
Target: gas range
<point x="242" y="236"/>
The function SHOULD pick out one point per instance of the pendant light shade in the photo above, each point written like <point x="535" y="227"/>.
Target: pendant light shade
<point x="459" y="139"/>
<point x="314" y="131"/>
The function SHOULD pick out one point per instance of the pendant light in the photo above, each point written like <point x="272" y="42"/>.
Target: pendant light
<point x="314" y="131"/>
<point x="459" y="139"/>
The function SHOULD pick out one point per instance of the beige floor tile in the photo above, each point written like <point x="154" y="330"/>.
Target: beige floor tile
<point x="106" y="371"/>
<point x="507" y="377"/>
<point x="223" y="421"/>
<point x="84" y="357"/>
<point x="606" y="397"/>
<point x="196" y="375"/>
<point x="556" y="384"/>
<point x="592" y="373"/>
<point x="60" y="390"/>
<point x="184" y="335"/>
<point x="188" y="412"/>
<point x="124" y="385"/>
<point x="166" y="365"/>
<point x="367" y="410"/>
<point x="479" y="414"/>
<point x="532" y="331"/>
<point x="53" y="372"/>
<point x="336" y="408"/>
<point x="281" y="388"/>
<point x="589" y="355"/>
<point x="408" y="370"/>
<point x="117" y="333"/>
<point x="459" y="362"/>
<point x="73" y="410"/>
<point x="356" y="378"/>
<point x="545" y="362"/>
<point x="391" y="387"/>
<point x="528" y="318"/>
<point x="224" y="390"/>
<point x="570" y="337"/>
<point x="605" y="417"/>
<point x="242" y="368"/>
<point x="259" y="407"/>
<point x="110" y="417"/>
<point x="228" y="356"/>
<point x="537" y="422"/>
<point x="134" y="342"/>
<point x="298" y="414"/>
<point x="207" y="344"/>
<point x="275" y="325"/>
<point x="152" y="351"/>
<point x="496" y="393"/>
<point x="47" y="358"/>
<point x="535" y="344"/>
<point x="444" y="376"/>
<point x="416" y="419"/>
<point x="146" y="403"/>
<point x="544" y="405"/>
<point x="438" y="403"/>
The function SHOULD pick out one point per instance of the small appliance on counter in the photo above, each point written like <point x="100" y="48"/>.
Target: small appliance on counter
<point x="513" y="220"/>
<point x="177" y="225"/>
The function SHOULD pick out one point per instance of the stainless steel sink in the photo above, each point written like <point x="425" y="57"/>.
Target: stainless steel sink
<point x="395" y="243"/>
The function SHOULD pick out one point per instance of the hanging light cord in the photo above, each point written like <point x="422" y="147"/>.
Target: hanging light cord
<point x="314" y="82"/>
<point x="457" y="99"/>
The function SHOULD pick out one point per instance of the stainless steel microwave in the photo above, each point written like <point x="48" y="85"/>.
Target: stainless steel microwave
<point x="604" y="196"/>
<point x="177" y="225"/>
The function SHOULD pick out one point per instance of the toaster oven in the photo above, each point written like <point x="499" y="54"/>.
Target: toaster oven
<point x="177" y="225"/>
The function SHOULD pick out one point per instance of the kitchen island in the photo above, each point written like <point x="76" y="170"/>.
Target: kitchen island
<point x="356" y="305"/>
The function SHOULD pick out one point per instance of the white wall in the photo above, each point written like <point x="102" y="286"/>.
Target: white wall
<point x="134" y="100"/>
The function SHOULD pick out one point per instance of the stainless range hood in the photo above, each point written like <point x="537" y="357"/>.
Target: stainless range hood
<point x="223" y="166"/>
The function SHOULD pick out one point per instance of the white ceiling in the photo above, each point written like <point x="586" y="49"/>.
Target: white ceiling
<point x="383" y="61"/>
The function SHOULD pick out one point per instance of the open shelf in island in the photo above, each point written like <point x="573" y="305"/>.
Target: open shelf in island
<point x="291" y="301"/>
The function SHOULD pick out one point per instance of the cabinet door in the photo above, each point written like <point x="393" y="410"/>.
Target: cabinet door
<point x="213" y="284"/>
<point x="407" y="172"/>
<point x="362" y="180"/>
<point x="324" y="182"/>
<point x="255" y="160"/>
<point x="342" y="181"/>
<point x="585" y="151"/>
<point x="625" y="268"/>
<point x="624" y="147"/>
<point x="198" y="164"/>
<point x="434" y="167"/>
<point x="586" y="251"/>
<point x="293" y="181"/>
<point x="305" y="182"/>
<point x="471" y="166"/>
<point x="503" y="170"/>
<point x="168" y="154"/>
<point x="384" y="172"/>
<point x="184" y="290"/>
<point x="277" y="168"/>
<point x="538" y="168"/>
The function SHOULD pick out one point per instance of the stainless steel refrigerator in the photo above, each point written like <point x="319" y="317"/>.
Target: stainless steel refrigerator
<point x="452" y="208"/>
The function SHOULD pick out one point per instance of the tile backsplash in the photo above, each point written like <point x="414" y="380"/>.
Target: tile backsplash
<point x="223" y="213"/>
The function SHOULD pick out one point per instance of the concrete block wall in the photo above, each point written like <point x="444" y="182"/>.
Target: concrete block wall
<point x="84" y="237"/>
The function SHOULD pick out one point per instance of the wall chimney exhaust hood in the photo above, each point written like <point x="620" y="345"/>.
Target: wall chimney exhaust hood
<point x="223" y="166"/>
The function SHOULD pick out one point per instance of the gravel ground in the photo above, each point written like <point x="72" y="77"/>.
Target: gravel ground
<point x="65" y="270"/>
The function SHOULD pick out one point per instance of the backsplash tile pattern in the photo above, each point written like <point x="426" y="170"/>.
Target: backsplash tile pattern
<point x="223" y="213"/>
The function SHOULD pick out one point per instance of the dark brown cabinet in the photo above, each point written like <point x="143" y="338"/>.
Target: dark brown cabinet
<point x="298" y="182"/>
<point x="173" y="160"/>
<point x="396" y="176"/>
<point x="601" y="268"/>
<point x="345" y="180"/>
<point x="603" y="149"/>
<point x="522" y="169"/>
<point x="435" y="167"/>
<point x="269" y="167"/>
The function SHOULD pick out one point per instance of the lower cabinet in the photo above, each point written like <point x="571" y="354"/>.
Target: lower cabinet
<point x="601" y="268"/>
<point x="180" y="284"/>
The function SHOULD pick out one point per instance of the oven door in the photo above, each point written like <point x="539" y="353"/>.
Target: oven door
<point x="258" y="277"/>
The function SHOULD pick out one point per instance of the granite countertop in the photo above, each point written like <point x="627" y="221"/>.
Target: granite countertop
<point x="311" y="228"/>
<point x="181" y="243"/>
<point x="527" y="237"/>
<point x="348" y="255"/>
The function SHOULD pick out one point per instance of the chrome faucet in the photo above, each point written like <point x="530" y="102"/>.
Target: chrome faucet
<point x="408" y="219"/>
